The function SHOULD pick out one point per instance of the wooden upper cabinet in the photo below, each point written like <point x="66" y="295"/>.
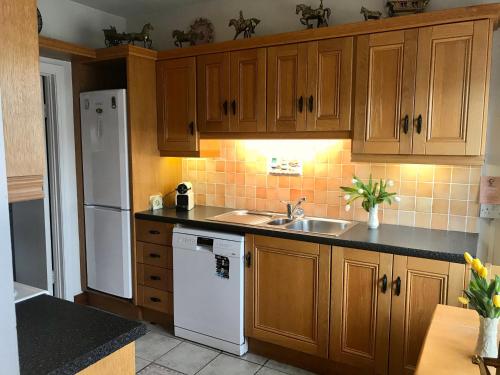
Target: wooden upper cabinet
<point x="288" y="293"/>
<point x="21" y="101"/>
<point x="176" y="94"/>
<point x="248" y="91"/>
<point x="451" y="91"/>
<point x="361" y="308"/>
<point x="213" y="92"/>
<point x="329" y="81"/>
<point x="385" y="79"/>
<point x="286" y="88"/>
<point x="418" y="286"/>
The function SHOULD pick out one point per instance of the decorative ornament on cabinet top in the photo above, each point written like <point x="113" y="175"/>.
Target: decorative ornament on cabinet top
<point x="242" y="25"/>
<point x="201" y="31"/>
<point x="308" y="14"/>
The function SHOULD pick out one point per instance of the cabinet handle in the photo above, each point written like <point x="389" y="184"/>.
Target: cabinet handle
<point x="155" y="278"/>
<point x="224" y="106"/>
<point x="154" y="255"/>
<point x="154" y="232"/>
<point x="311" y="103"/>
<point x="191" y="127"/>
<point x="406" y="124"/>
<point x="154" y="299"/>
<point x="301" y="104"/>
<point x="233" y="107"/>
<point x="248" y="259"/>
<point x="419" y="124"/>
<point x="398" y="286"/>
<point x="384" y="284"/>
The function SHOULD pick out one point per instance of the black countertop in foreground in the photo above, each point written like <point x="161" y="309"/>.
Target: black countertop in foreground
<point x="393" y="239"/>
<point x="59" y="337"/>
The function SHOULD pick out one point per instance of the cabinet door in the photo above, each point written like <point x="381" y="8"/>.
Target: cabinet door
<point x="423" y="283"/>
<point x="287" y="84"/>
<point x="451" y="91"/>
<point x="385" y="84"/>
<point x="213" y="92"/>
<point x="288" y="293"/>
<point x="248" y="91"/>
<point x="329" y="81"/>
<point x="176" y="97"/>
<point x="361" y="308"/>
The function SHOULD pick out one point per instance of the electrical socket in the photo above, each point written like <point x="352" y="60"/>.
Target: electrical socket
<point x="490" y="211"/>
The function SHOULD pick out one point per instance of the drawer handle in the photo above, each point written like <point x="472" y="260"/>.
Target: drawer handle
<point x="154" y="255"/>
<point x="301" y="104"/>
<point x="311" y="103"/>
<point x="224" y="106"/>
<point x="155" y="299"/>
<point x="154" y="232"/>
<point x="384" y="284"/>
<point x="398" y="286"/>
<point x="419" y="124"/>
<point x="156" y="278"/>
<point x="406" y="124"/>
<point x="233" y="107"/>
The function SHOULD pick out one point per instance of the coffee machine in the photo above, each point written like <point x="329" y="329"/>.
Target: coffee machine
<point x="184" y="196"/>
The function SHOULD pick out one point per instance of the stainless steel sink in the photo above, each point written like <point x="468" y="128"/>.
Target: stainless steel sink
<point x="330" y="227"/>
<point x="321" y="226"/>
<point x="282" y="221"/>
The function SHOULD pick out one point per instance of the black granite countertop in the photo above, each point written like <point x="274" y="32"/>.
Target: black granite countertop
<point x="59" y="337"/>
<point x="394" y="239"/>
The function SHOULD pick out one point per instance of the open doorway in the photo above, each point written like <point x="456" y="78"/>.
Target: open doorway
<point x="45" y="235"/>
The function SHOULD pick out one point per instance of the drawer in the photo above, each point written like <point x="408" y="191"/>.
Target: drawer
<point x="154" y="255"/>
<point x="155" y="299"/>
<point x="155" y="277"/>
<point x="154" y="232"/>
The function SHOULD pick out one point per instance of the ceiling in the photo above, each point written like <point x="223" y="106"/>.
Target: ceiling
<point x="128" y="8"/>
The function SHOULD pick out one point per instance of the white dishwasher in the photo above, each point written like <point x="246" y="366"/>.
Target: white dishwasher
<point x="208" y="288"/>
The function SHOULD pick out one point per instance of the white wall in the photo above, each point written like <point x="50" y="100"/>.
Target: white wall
<point x="77" y="23"/>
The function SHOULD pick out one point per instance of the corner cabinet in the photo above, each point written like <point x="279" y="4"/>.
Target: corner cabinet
<point x="423" y="91"/>
<point x="176" y="101"/>
<point x="382" y="305"/>
<point x="288" y="293"/>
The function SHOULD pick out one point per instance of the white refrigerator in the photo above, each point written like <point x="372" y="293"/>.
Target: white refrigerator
<point x="106" y="191"/>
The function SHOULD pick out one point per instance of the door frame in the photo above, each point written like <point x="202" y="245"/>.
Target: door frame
<point x="63" y="186"/>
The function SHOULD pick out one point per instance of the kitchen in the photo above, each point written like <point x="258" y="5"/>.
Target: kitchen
<point x="211" y="192"/>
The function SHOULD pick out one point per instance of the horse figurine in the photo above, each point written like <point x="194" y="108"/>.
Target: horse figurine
<point x="185" y="37"/>
<point x="245" y="26"/>
<point x="144" y="36"/>
<point x="113" y="38"/>
<point x="371" y="14"/>
<point x="321" y="15"/>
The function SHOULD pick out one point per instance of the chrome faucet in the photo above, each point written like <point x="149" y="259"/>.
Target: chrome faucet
<point x="294" y="211"/>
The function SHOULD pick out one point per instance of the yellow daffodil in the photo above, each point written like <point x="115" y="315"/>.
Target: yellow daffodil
<point x="483" y="272"/>
<point x="496" y="300"/>
<point x="468" y="258"/>
<point x="476" y="265"/>
<point x="465" y="301"/>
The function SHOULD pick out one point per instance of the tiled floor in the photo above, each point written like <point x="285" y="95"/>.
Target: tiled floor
<point x="159" y="352"/>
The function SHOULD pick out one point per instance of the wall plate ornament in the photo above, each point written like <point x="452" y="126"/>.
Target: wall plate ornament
<point x="283" y="166"/>
<point x="156" y="201"/>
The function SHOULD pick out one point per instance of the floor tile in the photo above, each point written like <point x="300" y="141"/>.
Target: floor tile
<point x="228" y="365"/>
<point x="140" y="364"/>
<point x="154" y="369"/>
<point x="269" y="371"/>
<point x="156" y="328"/>
<point x="187" y="358"/>
<point x="153" y="345"/>
<point x="250" y="357"/>
<point x="287" y="369"/>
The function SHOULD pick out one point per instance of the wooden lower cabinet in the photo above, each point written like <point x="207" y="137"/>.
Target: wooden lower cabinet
<point x="382" y="328"/>
<point x="288" y="293"/>
<point x="361" y="308"/>
<point x="424" y="284"/>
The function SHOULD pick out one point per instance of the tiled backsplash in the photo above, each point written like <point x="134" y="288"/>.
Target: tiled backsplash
<point x="432" y="196"/>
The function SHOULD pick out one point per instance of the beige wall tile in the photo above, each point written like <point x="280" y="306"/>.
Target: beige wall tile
<point x="407" y="203"/>
<point x="442" y="174"/>
<point x="439" y="221"/>
<point x="459" y="191"/>
<point x="440" y="206"/>
<point x="441" y="190"/>
<point x="458" y="207"/>
<point x="407" y="218"/>
<point x="408" y="172"/>
<point x="460" y="175"/>
<point x="408" y="188"/>
<point x="423" y="220"/>
<point x="457" y="223"/>
<point x="424" y="189"/>
<point x="424" y="205"/>
<point x="425" y="173"/>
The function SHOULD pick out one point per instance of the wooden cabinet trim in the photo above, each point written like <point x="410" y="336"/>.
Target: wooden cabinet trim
<point x="484" y="11"/>
<point x="25" y="188"/>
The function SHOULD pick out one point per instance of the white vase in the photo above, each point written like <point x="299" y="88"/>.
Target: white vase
<point x="487" y="344"/>
<point x="373" y="217"/>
